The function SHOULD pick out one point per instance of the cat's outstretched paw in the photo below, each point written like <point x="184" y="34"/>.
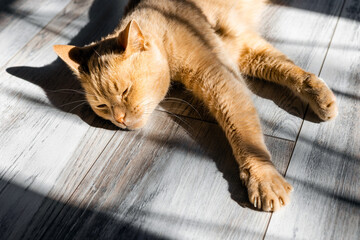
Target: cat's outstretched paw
<point x="321" y="99"/>
<point x="267" y="189"/>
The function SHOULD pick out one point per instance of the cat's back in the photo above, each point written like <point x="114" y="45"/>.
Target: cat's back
<point x="241" y="11"/>
<point x="246" y="12"/>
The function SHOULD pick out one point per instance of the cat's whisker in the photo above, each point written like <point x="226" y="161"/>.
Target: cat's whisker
<point x="154" y="113"/>
<point x="172" y="99"/>
<point x="179" y="118"/>
<point x="163" y="116"/>
<point x="81" y="104"/>
<point x="69" y="103"/>
<point x="66" y="90"/>
<point x="70" y="90"/>
<point x="169" y="113"/>
<point x="78" y="101"/>
<point x="144" y="103"/>
<point x="173" y="109"/>
<point x="96" y="52"/>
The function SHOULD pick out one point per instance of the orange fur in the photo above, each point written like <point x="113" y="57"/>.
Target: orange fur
<point x="206" y="45"/>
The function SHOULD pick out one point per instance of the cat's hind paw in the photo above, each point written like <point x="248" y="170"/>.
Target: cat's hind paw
<point x="267" y="189"/>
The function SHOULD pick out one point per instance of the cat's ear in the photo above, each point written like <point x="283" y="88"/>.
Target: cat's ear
<point x="71" y="55"/>
<point x="131" y="38"/>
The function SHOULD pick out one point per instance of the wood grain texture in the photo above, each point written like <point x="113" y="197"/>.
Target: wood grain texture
<point x="174" y="180"/>
<point x="21" y="20"/>
<point x="325" y="167"/>
<point x="306" y="43"/>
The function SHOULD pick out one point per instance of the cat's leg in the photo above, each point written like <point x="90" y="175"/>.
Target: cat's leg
<point x="260" y="59"/>
<point x="228" y="99"/>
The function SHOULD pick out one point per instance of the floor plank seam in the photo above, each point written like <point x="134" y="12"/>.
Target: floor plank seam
<point x="331" y="39"/>
<point x="280" y="138"/>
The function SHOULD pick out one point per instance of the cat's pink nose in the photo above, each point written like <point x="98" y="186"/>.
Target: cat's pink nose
<point x="120" y="118"/>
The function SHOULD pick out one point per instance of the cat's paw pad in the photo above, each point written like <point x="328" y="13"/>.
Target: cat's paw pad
<point x="321" y="99"/>
<point x="267" y="189"/>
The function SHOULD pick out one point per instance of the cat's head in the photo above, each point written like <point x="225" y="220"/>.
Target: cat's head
<point x="124" y="77"/>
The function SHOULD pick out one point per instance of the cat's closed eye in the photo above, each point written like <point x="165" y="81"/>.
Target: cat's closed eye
<point x="101" y="106"/>
<point x="125" y="92"/>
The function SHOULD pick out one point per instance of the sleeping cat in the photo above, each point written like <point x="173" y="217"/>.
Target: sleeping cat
<point x="206" y="45"/>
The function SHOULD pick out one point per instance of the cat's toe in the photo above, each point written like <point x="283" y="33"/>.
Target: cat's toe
<point x="268" y="190"/>
<point x="254" y="195"/>
<point x="330" y="111"/>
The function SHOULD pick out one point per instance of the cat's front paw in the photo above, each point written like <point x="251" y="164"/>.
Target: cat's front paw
<point x="267" y="189"/>
<point x="321" y="99"/>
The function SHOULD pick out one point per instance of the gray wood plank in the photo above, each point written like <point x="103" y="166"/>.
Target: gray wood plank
<point x="21" y="20"/>
<point x="291" y="30"/>
<point x="325" y="167"/>
<point x="174" y="180"/>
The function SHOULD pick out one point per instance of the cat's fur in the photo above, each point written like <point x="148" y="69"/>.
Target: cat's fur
<point x="206" y="45"/>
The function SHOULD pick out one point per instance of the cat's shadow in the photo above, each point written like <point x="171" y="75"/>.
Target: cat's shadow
<point x="219" y="150"/>
<point x="65" y="93"/>
<point x="180" y="101"/>
<point x="61" y="87"/>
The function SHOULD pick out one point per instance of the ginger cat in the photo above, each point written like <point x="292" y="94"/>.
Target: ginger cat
<point x="207" y="45"/>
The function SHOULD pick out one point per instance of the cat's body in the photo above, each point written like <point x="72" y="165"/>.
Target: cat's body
<point x="206" y="45"/>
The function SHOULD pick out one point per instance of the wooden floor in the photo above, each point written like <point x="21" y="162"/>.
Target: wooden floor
<point x="66" y="174"/>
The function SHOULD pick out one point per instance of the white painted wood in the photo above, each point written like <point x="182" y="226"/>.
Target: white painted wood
<point x="325" y="167"/>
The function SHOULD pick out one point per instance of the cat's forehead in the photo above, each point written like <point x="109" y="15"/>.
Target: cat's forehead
<point x="107" y="82"/>
<point x="111" y="73"/>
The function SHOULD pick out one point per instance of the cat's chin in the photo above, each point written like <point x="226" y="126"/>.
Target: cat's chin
<point x="138" y="125"/>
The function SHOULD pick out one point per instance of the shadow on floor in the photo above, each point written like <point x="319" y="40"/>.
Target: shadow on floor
<point x="62" y="88"/>
<point x="212" y="142"/>
<point x="30" y="215"/>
